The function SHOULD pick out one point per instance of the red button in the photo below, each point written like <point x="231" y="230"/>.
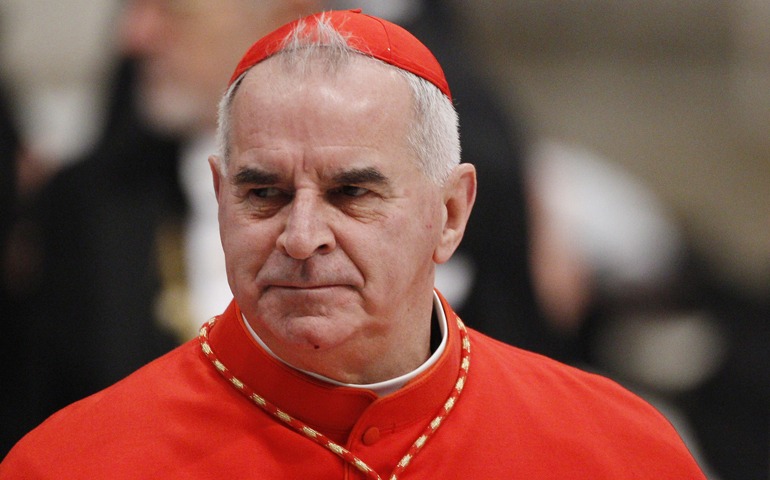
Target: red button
<point x="371" y="435"/>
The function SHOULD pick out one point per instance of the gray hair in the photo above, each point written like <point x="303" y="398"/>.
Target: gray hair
<point x="434" y="131"/>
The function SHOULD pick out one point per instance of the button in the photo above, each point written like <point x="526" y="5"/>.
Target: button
<point x="371" y="435"/>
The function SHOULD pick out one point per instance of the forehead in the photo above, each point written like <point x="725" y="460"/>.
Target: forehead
<point x="363" y="106"/>
<point x="282" y="74"/>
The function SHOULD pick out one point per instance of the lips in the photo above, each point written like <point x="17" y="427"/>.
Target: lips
<point x="310" y="274"/>
<point x="304" y="287"/>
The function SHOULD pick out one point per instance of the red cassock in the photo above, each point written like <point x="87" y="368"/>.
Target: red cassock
<point x="519" y="416"/>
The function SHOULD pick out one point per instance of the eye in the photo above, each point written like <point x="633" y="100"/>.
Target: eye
<point x="353" y="191"/>
<point x="266" y="192"/>
<point x="264" y="202"/>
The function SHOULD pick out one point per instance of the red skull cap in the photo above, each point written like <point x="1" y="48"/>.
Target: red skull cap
<point x="369" y="35"/>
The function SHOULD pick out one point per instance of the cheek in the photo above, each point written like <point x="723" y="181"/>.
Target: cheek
<point x="424" y="224"/>
<point x="403" y="242"/>
<point x="246" y="244"/>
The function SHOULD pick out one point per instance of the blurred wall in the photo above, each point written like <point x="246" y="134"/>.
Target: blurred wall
<point x="54" y="55"/>
<point x="677" y="92"/>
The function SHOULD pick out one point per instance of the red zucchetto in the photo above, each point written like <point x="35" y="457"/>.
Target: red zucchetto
<point x="371" y="36"/>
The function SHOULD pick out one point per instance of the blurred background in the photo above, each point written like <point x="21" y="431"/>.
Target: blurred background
<point x="643" y="133"/>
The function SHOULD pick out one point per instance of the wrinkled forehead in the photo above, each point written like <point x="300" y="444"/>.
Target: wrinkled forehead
<point x="369" y="78"/>
<point x="364" y="105"/>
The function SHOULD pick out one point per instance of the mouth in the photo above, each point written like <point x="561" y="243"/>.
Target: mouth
<point x="327" y="292"/>
<point x="306" y="287"/>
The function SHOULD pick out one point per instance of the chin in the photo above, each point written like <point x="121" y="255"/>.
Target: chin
<point x="314" y="333"/>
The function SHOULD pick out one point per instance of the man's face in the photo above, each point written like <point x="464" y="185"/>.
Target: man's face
<point x="328" y="226"/>
<point x="185" y="50"/>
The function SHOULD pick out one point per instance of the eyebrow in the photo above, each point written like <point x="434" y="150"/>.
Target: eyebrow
<point x="255" y="176"/>
<point x="357" y="176"/>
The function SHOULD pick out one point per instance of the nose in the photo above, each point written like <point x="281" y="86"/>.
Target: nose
<point x="307" y="231"/>
<point x="140" y="25"/>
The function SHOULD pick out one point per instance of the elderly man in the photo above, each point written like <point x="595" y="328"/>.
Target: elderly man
<point x="339" y="189"/>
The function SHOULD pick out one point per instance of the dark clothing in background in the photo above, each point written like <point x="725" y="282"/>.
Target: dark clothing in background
<point x="100" y="220"/>
<point x="88" y="321"/>
<point x="9" y="145"/>
<point x="14" y="351"/>
<point x="730" y="412"/>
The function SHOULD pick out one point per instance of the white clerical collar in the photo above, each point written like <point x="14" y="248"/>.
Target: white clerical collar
<point x="380" y="388"/>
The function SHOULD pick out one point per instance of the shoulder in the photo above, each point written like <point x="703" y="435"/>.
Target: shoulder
<point x="541" y="381"/>
<point x="120" y="421"/>
<point x="548" y="401"/>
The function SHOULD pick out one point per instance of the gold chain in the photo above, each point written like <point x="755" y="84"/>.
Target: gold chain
<point x="320" y="438"/>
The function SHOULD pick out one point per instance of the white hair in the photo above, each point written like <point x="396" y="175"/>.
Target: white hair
<point x="434" y="131"/>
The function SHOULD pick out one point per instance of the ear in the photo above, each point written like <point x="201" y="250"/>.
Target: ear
<point x="216" y="173"/>
<point x="459" y="194"/>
